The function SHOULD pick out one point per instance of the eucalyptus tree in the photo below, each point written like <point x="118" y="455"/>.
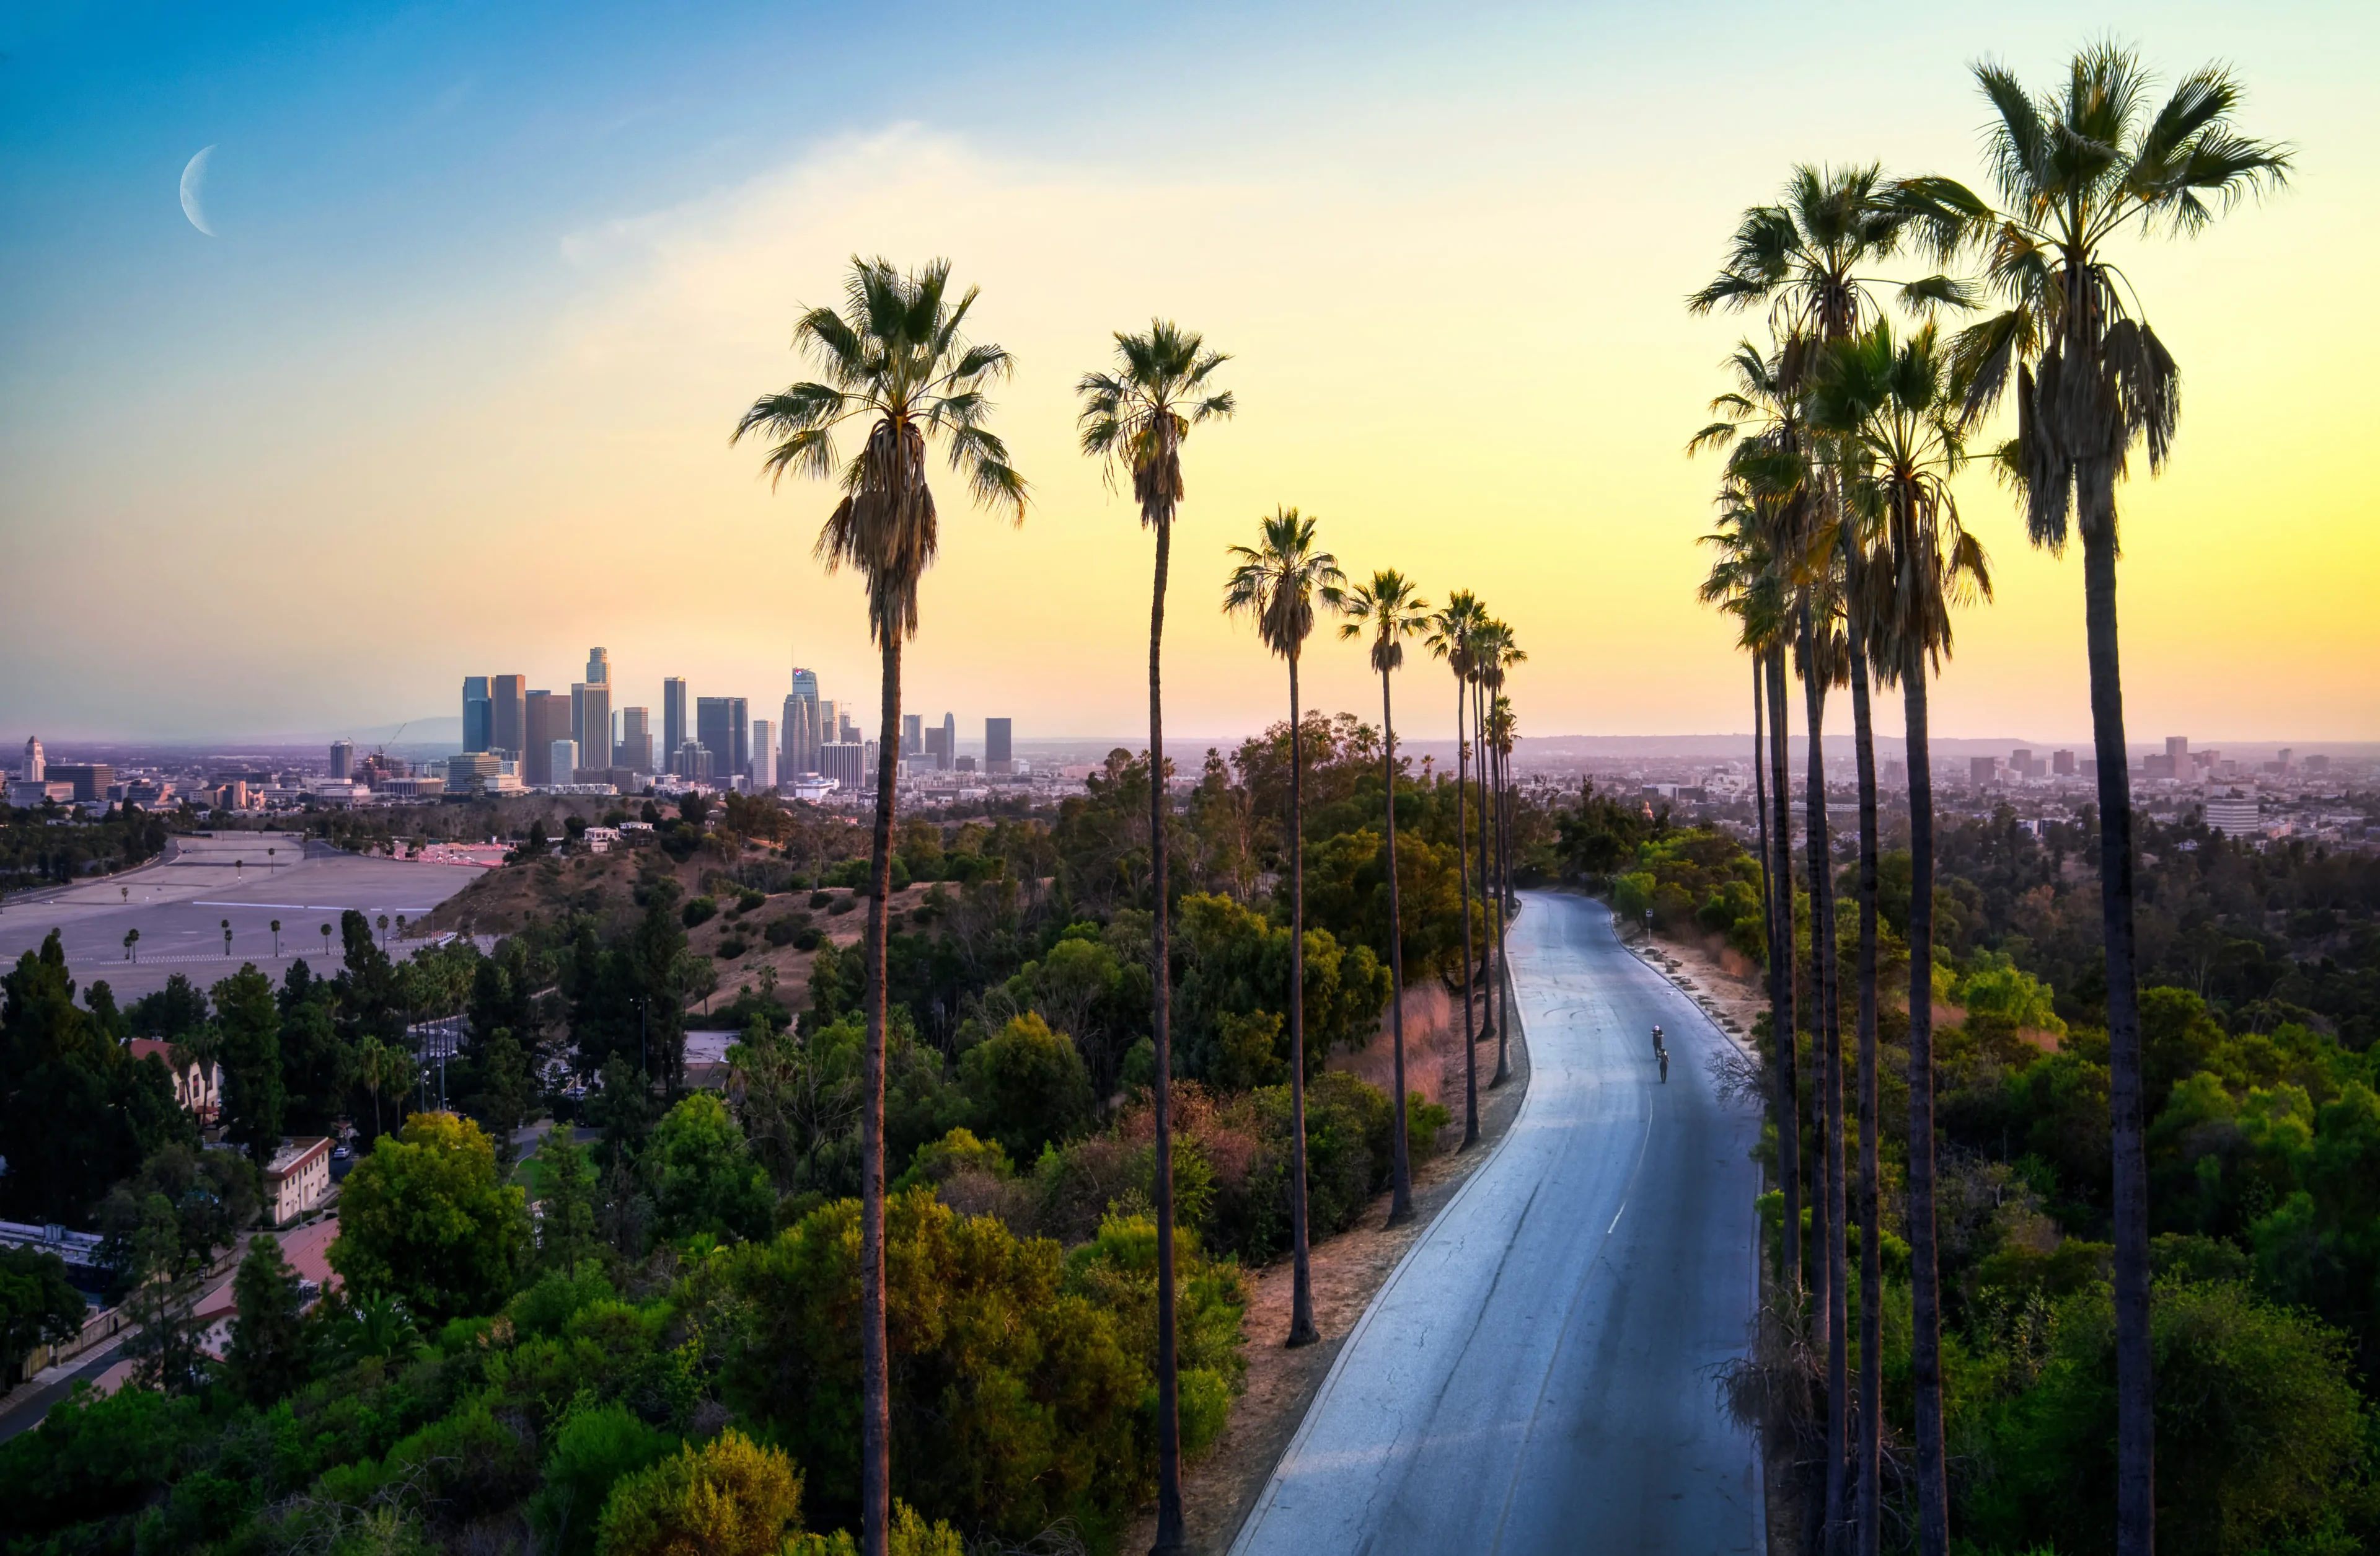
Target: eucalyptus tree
<point x="1135" y="420"/>
<point x="1275" y="584"/>
<point x="1498" y="651"/>
<point x="1451" y="633"/>
<point x="896" y="366"/>
<point x="2077" y="168"/>
<point x="1896" y="408"/>
<point x="1389" y="610"/>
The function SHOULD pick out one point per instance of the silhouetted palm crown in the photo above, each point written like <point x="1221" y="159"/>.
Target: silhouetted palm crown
<point x="896" y="359"/>
<point x="1275" y="582"/>
<point x="1137" y="416"/>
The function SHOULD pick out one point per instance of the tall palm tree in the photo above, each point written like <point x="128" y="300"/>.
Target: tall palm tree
<point x="1135" y="419"/>
<point x="1895" y="407"/>
<point x="2076" y="167"/>
<point x="1390" y="610"/>
<point x="1804" y="256"/>
<point x="1450" y="638"/>
<point x="1499" y="652"/>
<point x="1747" y="582"/>
<point x="895" y="361"/>
<point x="1275" y="583"/>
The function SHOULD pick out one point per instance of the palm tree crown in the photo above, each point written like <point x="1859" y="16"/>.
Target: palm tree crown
<point x="1389" y="609"/>
<point x="1275" y="582"/>
<point x="2075" y="168"/>
<point x="1137" y="416"/>
<point x="894" y="357"/>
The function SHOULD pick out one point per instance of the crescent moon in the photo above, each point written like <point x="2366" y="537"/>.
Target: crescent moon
<point x="194" y="185"/>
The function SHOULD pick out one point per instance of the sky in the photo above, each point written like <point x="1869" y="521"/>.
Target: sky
<point x="448" y="390"/>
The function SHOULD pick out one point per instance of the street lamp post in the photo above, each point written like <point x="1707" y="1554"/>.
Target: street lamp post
<point x="276" y="939"/>
<point x="226" y="929"/>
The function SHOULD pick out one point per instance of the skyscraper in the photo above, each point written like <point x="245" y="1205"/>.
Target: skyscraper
<point x="34" y="764"/>
<point x="635" y="752"/>
<point x="562" y="761"/>
<point x="950" y="740"/>
<point x="764" y="755"/>
<point x="996" y="755"/>
<point x="343" y="758"/>
<point x="724" y="725"/>
<point x="547" y="720"/>
<point x="599" y="668"/>
<point x="800" y="734"/>
<point x="593" y="701"/>
<point x="913" y="734"/>
<point x="675" y="732"/>
<point x="578" y="711"/>
<point x="478" y="710"/>
<point x="937" y="753"/>
<point x="508" y="715"/>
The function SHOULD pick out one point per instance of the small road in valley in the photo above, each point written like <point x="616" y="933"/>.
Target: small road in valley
<point x="1538" y="1375"/>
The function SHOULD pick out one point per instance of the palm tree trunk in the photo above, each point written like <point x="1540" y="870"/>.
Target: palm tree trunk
<point x="1171" y="1536"/>
<point x="1832" y="1293"/>
<point x="1302" y="1330"/>
<point x="1401" y="1165"/>
<point x="1491" y="910"/>
<point x="1499" y="987"/>
<point x="1781" y="1032"/>
<point x="1868" y="1450"/>
<point x="2135" y="1386"/>
<point x="875" y="1402"/>
<point x="1925" y="1271"/>
<point x="1463" y="887"/>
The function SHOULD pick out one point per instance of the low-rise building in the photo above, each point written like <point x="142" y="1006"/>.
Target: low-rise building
<point x="197" y="1088"/>
<point x="297" y="1178"/>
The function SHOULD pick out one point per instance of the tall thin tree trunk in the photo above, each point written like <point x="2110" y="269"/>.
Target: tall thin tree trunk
<point x="1463" y="887"/>
<point x="875" y="1404"/>
<point x="1493" y="911"/>
<point x="1499" y="984"/>
<point x="1782" y="959"/>
<point x="1925" y="1270"/>
<point x="1170" y="1536"/>
<point x="1401" y="1165"/>
<point x="1871" y="1386"/>
<point x="1302" y="1330"/>
<point x="2135" y="1386"/>
<point x="1830" y="1070"/>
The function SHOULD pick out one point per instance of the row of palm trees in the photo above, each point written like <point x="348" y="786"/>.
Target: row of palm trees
<point x="1840" y="543"/>
<point x="895" y="360"/>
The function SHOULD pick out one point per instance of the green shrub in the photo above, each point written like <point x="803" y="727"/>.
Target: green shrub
<point x="746" y="901"/>
<point x="594" y="1446"/>
<point x="782" y="930"/>
<point x="843" y="904"/>
<point x="698" y="910"/>
<point x="729" y="1498"/>
<point x="820" y="898"/>
<point x="733" y="947"/>
<point x="1027" y="1085"/>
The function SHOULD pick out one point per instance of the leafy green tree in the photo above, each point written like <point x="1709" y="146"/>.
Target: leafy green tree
<point x="163" y="1230"/>
<point x="270" y="1357"/>
<point x="38" y="1303"/>
<point x="704" y="1179"/>
<point x="77" y="1114"/>
<point x="731" y="1497"/>
<point x="1028" y="1086"/>
<point x="250" y="1022"/>
<point x="424" y="1217"/>
<point x="2076" y="167"/>
<point x="1020" y="1401"/>
<point x="318" y="1069"/>
<point x="565" y="1183"/>
<point x="595" y="1446"/>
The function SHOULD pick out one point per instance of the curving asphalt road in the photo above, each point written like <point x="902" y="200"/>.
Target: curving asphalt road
<point x="1536" y="1375"/>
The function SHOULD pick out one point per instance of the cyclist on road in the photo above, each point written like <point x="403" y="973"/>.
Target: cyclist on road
<point x="1661" y="1053"/>
<point x="1658" y="1049"/>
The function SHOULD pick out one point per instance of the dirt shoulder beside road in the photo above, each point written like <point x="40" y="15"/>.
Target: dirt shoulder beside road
<point x="1348" y="1269"/>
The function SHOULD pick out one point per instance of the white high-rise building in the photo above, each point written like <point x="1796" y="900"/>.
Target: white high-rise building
<point x="564" y="759"/>
<point x="764" y="755"/>
<point x="35" y="764"/>
<point x="802" y="734"/>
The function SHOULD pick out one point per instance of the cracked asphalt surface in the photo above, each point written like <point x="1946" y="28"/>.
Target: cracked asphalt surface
<point x="1538" y="1374"/>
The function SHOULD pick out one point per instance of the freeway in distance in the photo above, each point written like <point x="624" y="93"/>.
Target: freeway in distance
<point x="1538" y="1375"/>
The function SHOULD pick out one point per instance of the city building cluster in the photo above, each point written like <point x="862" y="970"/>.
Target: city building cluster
<point x="518" y="738"/>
